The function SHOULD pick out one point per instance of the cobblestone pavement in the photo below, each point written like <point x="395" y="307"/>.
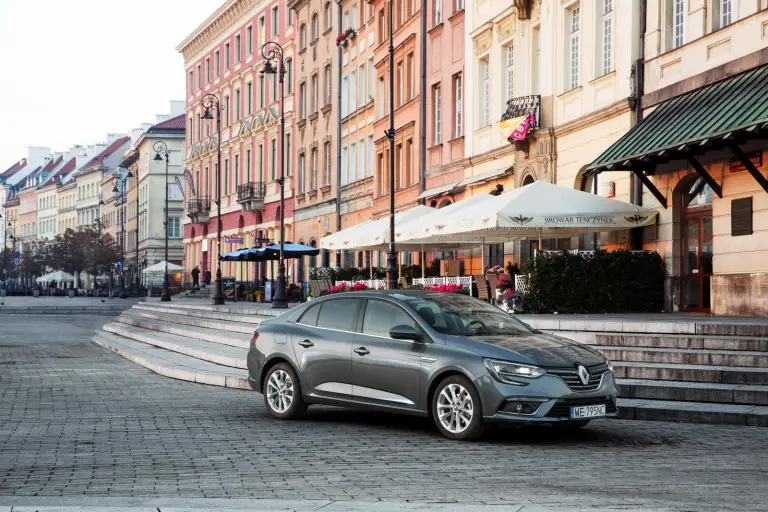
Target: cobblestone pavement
<point x="77" y="420"/>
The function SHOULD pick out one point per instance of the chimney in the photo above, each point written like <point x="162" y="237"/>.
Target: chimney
<point x="177" y="108"/>
<point x="159" y="118"/>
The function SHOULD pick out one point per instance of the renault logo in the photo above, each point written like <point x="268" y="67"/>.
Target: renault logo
<point x="583" y="374"/>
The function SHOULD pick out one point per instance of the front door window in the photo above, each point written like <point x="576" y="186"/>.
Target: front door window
<point x="697" y="247"/>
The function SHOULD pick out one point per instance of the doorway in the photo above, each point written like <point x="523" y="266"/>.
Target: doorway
<point x="696" y="239"/>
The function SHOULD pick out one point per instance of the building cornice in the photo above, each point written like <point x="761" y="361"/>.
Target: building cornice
<point x="222" y="20"/>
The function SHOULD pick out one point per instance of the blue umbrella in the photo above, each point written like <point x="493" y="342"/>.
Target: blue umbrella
<point x="270" y="253"/>
<point x="252" y="254"/>
<point x="293" y="250"/>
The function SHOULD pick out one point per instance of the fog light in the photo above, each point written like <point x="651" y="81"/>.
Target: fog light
<point x="520" y="407"/>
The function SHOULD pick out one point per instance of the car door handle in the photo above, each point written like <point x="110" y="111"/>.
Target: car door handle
<point x="362" y="351"/>
<point x="306" y="344"/>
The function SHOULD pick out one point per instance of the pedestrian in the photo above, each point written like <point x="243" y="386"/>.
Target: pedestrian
<point x="195" y="278"/>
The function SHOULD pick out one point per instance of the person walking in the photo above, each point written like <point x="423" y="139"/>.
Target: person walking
<point x="195" y="278"/>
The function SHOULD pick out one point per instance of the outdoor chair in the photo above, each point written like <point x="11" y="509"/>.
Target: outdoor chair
<point x="403" y="283"/>
<point x="327" y="285"/>
<point x="482" y="286"/>
<point x="315" y="285"/>
<point x="493" y="282"/>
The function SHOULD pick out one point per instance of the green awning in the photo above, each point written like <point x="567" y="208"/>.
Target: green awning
<point x="736" y="106"/>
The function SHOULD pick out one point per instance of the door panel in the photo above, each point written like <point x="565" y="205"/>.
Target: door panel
<point x="697" y="255"/>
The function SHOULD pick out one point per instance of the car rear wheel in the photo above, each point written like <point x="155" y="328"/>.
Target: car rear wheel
<point x="282" y="393"/>
<point x="456" y="409"/>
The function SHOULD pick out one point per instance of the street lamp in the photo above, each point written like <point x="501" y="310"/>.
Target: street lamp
<point x="98" y="230"/>
<point x="124" y="179"/>
<point x="209" y="102"/>
<point x="275" y="65"/>
<point x="7" y="237"/>
<point x="135" y="170"/>
<point x="162" y="147"/>
<point x="392" y="254"/>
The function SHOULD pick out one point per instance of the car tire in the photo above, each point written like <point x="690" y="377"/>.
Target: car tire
<point x="572" y="424"/>
<point x="456" y="409"/>
<point x="282" y="393"/>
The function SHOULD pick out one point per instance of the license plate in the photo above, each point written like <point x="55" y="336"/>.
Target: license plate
<point x="587" y="411"/>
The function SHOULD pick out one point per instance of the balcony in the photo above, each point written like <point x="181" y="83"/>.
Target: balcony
<point x="198" y="209"/>
<point x="251" y="195"/>
<point x="520" y="106"/>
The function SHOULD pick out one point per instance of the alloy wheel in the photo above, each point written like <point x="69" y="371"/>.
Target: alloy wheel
<point x="280" y="391"/>
<point x="455" y="408"/>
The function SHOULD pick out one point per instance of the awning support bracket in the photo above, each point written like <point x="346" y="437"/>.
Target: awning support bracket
<point x="651" y="187"/>
<point x="748" y="165"/>
<point x="708" y="179"/>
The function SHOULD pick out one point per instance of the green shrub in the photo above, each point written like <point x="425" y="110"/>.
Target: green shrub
<point x="604" y="282"/>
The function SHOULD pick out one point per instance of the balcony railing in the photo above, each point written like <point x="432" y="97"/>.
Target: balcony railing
<point x="520" y="106"/>
<point x="251" y="195"/>
<point x="198" y="209"/>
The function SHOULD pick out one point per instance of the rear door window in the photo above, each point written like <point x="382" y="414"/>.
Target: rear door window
<point x="339" y="314"/>
<point x="310" y="316"/>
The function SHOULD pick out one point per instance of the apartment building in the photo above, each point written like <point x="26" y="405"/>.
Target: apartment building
<point x="705" y="62"/>
<point x="223" y="57"/>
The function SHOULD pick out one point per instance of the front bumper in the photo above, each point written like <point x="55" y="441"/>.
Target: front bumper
<point x="550" y="392"/>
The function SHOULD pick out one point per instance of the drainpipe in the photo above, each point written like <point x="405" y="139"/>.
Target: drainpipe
<point x="423" y="105"/>
<point x="338" y="141"/>
<point x="637" y="185"/>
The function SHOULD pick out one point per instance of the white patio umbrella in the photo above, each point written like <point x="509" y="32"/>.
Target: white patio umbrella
<point x="59" y="276"/>
<point x="539" y="210"/>
<point x="159" y="268"/>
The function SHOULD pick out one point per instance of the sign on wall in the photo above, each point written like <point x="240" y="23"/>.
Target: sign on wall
<point x="233" y="239"/>
<point x="735" y="165"/>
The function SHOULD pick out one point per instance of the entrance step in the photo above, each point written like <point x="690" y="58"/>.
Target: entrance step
<point x="686" y="356"/>
<point x="193" y="321"/>
<point x="201" y="313"/>
<point x="204" y="350"/>
<point x="172" y="364"/>
<point x="234" y="308"/>
<point x="690" y="372"/>
<point x="743" y="394"/>
<point x="235" y="339"/>
<point x="685" y="341"/>
<point x="694" y="412"/>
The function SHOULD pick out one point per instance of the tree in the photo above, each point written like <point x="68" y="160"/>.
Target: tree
<point x="32" y="261"/>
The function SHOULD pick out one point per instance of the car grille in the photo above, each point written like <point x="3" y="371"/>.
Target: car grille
<point x="562" y="408"/>
<point x="571" y="377"/>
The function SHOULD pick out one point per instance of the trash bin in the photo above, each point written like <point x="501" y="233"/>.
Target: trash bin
<point x="70" y="292"/>
<point x="37" y="292"/>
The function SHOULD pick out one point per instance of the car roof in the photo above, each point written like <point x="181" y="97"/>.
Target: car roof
<point x="392" y="294"/>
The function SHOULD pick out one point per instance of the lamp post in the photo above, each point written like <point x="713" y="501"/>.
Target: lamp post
<point x="135" y="170"/>
<point x="210" y="101"/>
<point x="162" y="147"/>
<point x="392" y="254"/>
<point x="98" y="233"/>
<point x="124" y="179"/>
<point x="5" y="248"/>
<point x="275" y="65"/>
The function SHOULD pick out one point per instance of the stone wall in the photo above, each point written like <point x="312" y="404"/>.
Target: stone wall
<point x="740" y="294"/>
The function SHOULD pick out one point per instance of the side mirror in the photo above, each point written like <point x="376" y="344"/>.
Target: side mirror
<point x="405" y="332"/>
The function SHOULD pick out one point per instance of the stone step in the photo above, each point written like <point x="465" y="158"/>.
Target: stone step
<point x="693" y="412"/>
<point x="193" y="321"/>
<point x="173" y="364"/>
<point x="212" y="352"/>
<point x="254" y="309"/>
<point x="214" y="315"/>
<point x="686" y="356"/>
<point x="689" y="341"/>
<point x="651" y="324"/>
<point x="234" y="339"/>
<point x="744" y="394"/>
<point x="690" y="373"/>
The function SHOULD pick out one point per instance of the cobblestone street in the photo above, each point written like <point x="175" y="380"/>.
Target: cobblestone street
<point x="76" y="419"/>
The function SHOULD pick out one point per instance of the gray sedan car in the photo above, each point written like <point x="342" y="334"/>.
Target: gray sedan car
<point x="454" y="358"/>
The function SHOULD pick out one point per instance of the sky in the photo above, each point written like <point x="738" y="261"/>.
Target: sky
<point x="75" y="70"/>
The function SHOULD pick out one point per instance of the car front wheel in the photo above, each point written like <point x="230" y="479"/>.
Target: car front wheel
<point x="282" y="393"/>
<point x="456" y="409"/>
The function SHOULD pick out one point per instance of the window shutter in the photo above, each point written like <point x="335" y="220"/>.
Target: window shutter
<point x="741" y="216"/>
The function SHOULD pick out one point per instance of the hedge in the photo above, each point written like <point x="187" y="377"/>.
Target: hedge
<point x="601" y="282"/>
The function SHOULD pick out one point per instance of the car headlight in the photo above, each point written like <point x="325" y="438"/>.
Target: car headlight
<point x="507" y="372"/>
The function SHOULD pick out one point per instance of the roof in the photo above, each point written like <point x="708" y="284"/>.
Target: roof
<point x="51" y="165"/>
<point x="737" y="105"/>
<point x="63" y="170"/>
<point x="14" y="169"/>
<point x="98" y="159"/>
<point x="174" y="123"/>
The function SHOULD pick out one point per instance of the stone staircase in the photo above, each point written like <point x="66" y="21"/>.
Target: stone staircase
<point x="186" y="340"/>
<point x="696" y="369"/>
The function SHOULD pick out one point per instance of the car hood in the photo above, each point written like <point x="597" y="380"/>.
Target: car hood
<point x="536" y="349"/>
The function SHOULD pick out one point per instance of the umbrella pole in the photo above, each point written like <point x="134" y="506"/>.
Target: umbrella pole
<point x="482" y="256"/>
<point x="421" y="257"/>
<point x="539" y="238"/>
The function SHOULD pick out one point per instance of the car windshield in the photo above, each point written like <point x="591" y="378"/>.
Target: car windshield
<point x="459" y="315"/>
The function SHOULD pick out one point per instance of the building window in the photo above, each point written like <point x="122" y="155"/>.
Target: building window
<point x="353" y="162"/>
<point x="275" y="21"/>
<point x="380" y="93"/>
<point x="369" y="149"/>
<point x="237" y="105"/>
<point x="606" y="28"/>
<point x="361" y="159"/>
<point x="438" y="12"/>
<point x="361" y="85"/>
<point x="352" y="90"/>
<point x="509" y="78"/>
<point x="723" y="14"/>
<point x="237" y="48"/>
<point x="217" y="63"/>
<point x="327" y="81"/>
<point x="400" y="91"/>
<point x="344" y="166"/>
<point x="315" y="93"/>
<point x="207" y="70"/>
<point x="191" y="82"/>
<point x="574" y="25"/>
<point x="678" y="23"/>
<point x="458" y="5"/>
<point x="260" y="162"/>
<point x="313" y="176"/>
<point x="226" y="111"/>
<point x="248" y="166"/>
<point x="290" y="18"/>
<point x="301" y="173"/>
<point x="199" y="78"/>
<point x="485" y="93"/>
<point x="344" y="96"/>
<point x="289" y="74"/>
<point x="327" y="15"/>
<point x="262" y="91"/>
<point x="226" y="57"/>
<point x="249" y="101"/>
<point x="272" y="160"/>
<point x="288" y="157"/>
<point x="458" y="106"/>
<point x="345" y="20"/>
<point x="303" y="100"/>
<point x="436" y="97"/>
<point x="303" y="37"/>
<point x="399" y="168"/>
<point x="327" y="164"/>
<point x="236" y="171"/>
<point x="315" y="27"/>
<point x="371" y="79"/>
<point x="249" y="39"/>
<point x="410" y="77"/>
<point x="353" y="16"/>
